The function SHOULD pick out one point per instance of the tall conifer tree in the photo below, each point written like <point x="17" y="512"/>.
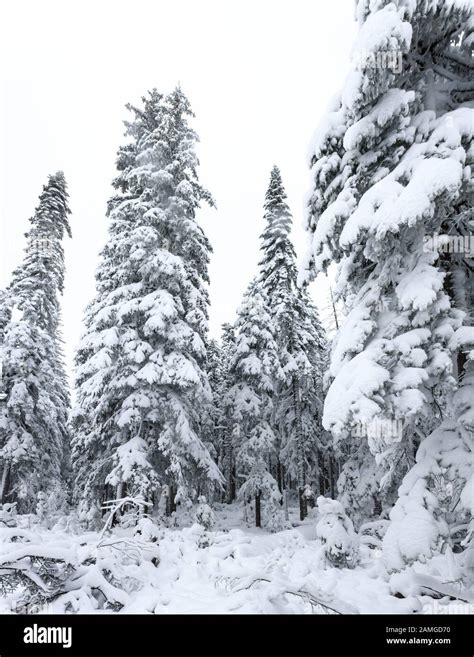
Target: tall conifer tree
<point x="141" y="385"/>
<point x="301" y="347"/>
<point x="34" y="436"/>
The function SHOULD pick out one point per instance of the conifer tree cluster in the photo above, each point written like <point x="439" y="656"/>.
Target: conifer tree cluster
<point x="272" y="414"/>
<point x="163" y="413"/>
<point x="275" y="403"/>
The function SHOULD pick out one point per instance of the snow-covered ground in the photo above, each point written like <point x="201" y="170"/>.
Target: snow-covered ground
<point x="166" y="570"/>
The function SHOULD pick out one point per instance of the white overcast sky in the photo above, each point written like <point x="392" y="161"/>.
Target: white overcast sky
<point x="259" y="75"/>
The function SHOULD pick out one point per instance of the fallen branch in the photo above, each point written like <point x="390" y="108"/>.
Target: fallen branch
<point x="443" y="589"/>
<point x="314" y="599"/>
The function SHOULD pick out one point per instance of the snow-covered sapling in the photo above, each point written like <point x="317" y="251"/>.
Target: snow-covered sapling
<point x="147" y="530"/>
<point x="204" y="514"/>
<point x="336" y="532"/>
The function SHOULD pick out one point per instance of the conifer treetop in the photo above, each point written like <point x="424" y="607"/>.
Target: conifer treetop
<point x="38" y="281"/>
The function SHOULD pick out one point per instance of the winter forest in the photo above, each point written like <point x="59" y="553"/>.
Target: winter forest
<point x="293" y="464"/>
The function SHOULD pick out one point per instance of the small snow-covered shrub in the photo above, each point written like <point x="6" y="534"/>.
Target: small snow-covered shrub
<point x="435" y="501"/>
<point x="336" y="532"/>
<point x="204" y="514"/>
<point x="372" y="533"/>
<point x="50" y="505"/>
<point x="261" y="489"/>
<point x="41" y="505"/>
<point x="274" y="518"/>
<point x="147" y="530"/>
<point x="67" y="523"/>
<point x="200" y="536"/>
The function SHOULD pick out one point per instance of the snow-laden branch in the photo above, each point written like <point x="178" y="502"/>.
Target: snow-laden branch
<point x="441" y="589"/>
<point x="115" y="506"/>
<point x="283" y="587"/>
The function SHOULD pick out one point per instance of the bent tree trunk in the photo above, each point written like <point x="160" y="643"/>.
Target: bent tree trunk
<point x="258" y="516"/>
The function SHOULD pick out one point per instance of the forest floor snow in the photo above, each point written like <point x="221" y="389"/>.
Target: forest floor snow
<point x="233" y="569"/>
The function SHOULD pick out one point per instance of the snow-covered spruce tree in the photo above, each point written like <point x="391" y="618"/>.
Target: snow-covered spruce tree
<point x="211" y="427"/>
<point x="392" y="168"/>
<point x="301" y="347"/>
<point x="33" y="419"/>
<point x="204" y="514"/>
<point x="249" y="400"/>
<point x="227" y="427"/>
<point x="141" y="385"/>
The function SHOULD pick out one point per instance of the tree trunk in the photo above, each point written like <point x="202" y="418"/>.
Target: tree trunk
<point x="4" y="483"/>
<point x="120" y="490"/>
<point x="322" y="485"/>
<point x="227" y="468"/>
<point x="119" y="494"/>
<point x="258" y="517"/>
<point x="229" y="463"/>
<point x="301" y="464"/>
<point x="302" y="503"/>
<point x="317" y="481"/>
<point x="279" y="476"/>
<point x="233" y="485"/>
<point x="106" y="495"/>
<point x="332" y="483"/>
<point x="168" y="494"/>
<point x="172" y="502"/>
